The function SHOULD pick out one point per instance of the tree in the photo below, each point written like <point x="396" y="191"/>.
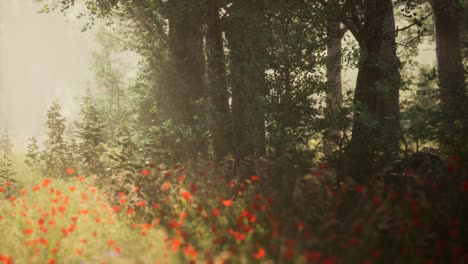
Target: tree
<point x="454" y="101"/>
<point x="6" y="146"/>
<point x="376" y="128"/>
<point x="33" y="154"/>
<point x="246" y="34"/>
<point x="217" y="83"/>
<point x="90" y="135"/>
<point x="55" y="145"/>
<point x="334" y="95"/>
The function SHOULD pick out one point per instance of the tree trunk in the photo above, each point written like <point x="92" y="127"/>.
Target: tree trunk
<point x="376" y="114"/>
<point x="245" y="34"/>
<point x="388" y="96"/>
<point x="218" y="92"/>
<point x="186" y="43"/>
<point x="450" y="68"/>
<point x="334" y="93"/>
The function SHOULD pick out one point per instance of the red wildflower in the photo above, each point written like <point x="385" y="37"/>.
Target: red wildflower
<point x="70" y="171"/>
<point x="28" y="231"/>
<point x="452" y="167"/>
<point x="376" y="200"/>
<point x="145" y="172"/>
<point x="36" y="188"/>
<point x="176" y="244"/>
<point x="6" y="259"/>
<point x="7" y="183"/>
<point x="454" y="233"/>
<point x="45" y="182"/>
<point x="51" y="261"/>
<point x="227" y="203"/>
<point x="360" y="189"/>
<point x="180" y="178"/>
<point x="22" y="191"/>
<point x="186" y="195"/>
<point x="465" y="186"/>
<point x="289" y="253"/>
<point x="72" y="188"/>
<point x="215" y="212"/>
<point x="259" y="254"/>
<point x="140" y="203"/>
<point x="377" y="253"/>
<point x="331" y="260"/>
<point x="255" y="178"/>
<point x="80" y="178"/>
<point x="313" y="256"/>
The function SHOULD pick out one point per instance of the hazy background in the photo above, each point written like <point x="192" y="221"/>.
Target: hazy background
<point x="43" y="57"/>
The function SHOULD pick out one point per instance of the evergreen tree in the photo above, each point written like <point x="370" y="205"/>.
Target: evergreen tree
<point x="123" y="151"/>
<point x="33" y="157"/>
<point x="90" y="135"/>
<point x="6" y="146"/>
<point x="54" y="154"/>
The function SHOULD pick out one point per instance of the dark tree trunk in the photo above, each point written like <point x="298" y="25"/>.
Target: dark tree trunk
<point x="186" y="44"/>
<point x="450" y="68"/>
<point x="245" y="34"/>
<point x="376" y="117"/>
<point x="218" y="92"/>
<point x="334" y="92"/>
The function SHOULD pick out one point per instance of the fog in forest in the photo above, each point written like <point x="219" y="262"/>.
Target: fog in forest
<point x="43" y="57"/>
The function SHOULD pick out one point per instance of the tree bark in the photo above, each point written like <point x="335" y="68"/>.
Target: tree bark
<point x="376" y="116"/>
<point x="217" y="85"/>
<point x="334" y="95"/>
<point x="450" y="68"/>
<point x="186" y="44"/>
<point x="245" y="34"/>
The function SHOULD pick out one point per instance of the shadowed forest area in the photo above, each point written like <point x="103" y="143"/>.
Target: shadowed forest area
<point x="249" y="131"/>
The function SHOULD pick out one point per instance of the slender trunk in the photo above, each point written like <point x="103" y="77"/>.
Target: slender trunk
<point x="334" y="93"/>
<point x="451" y="72"/>
<point x="221" y="121"/>
<point x="245" y="35"/>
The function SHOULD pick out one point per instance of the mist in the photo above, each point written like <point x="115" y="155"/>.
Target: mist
<point x="43" y="57"/>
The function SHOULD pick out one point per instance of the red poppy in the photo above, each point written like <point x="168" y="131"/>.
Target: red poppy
<point x="145" y="172"/>
<point x="227" y="203"/>
<point x="70" y="171"/>
<point x="360" y="189"/>
<point x="6" y="259"/>
<point x="313" y="256"/>
<point x="45" y="182"/>
<point x="186" y="195"/>
<point x="215" y="212"/>
<point x="255" y="178"/>
<point x="259" y="254"/>
<point x="465" y="186"/>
